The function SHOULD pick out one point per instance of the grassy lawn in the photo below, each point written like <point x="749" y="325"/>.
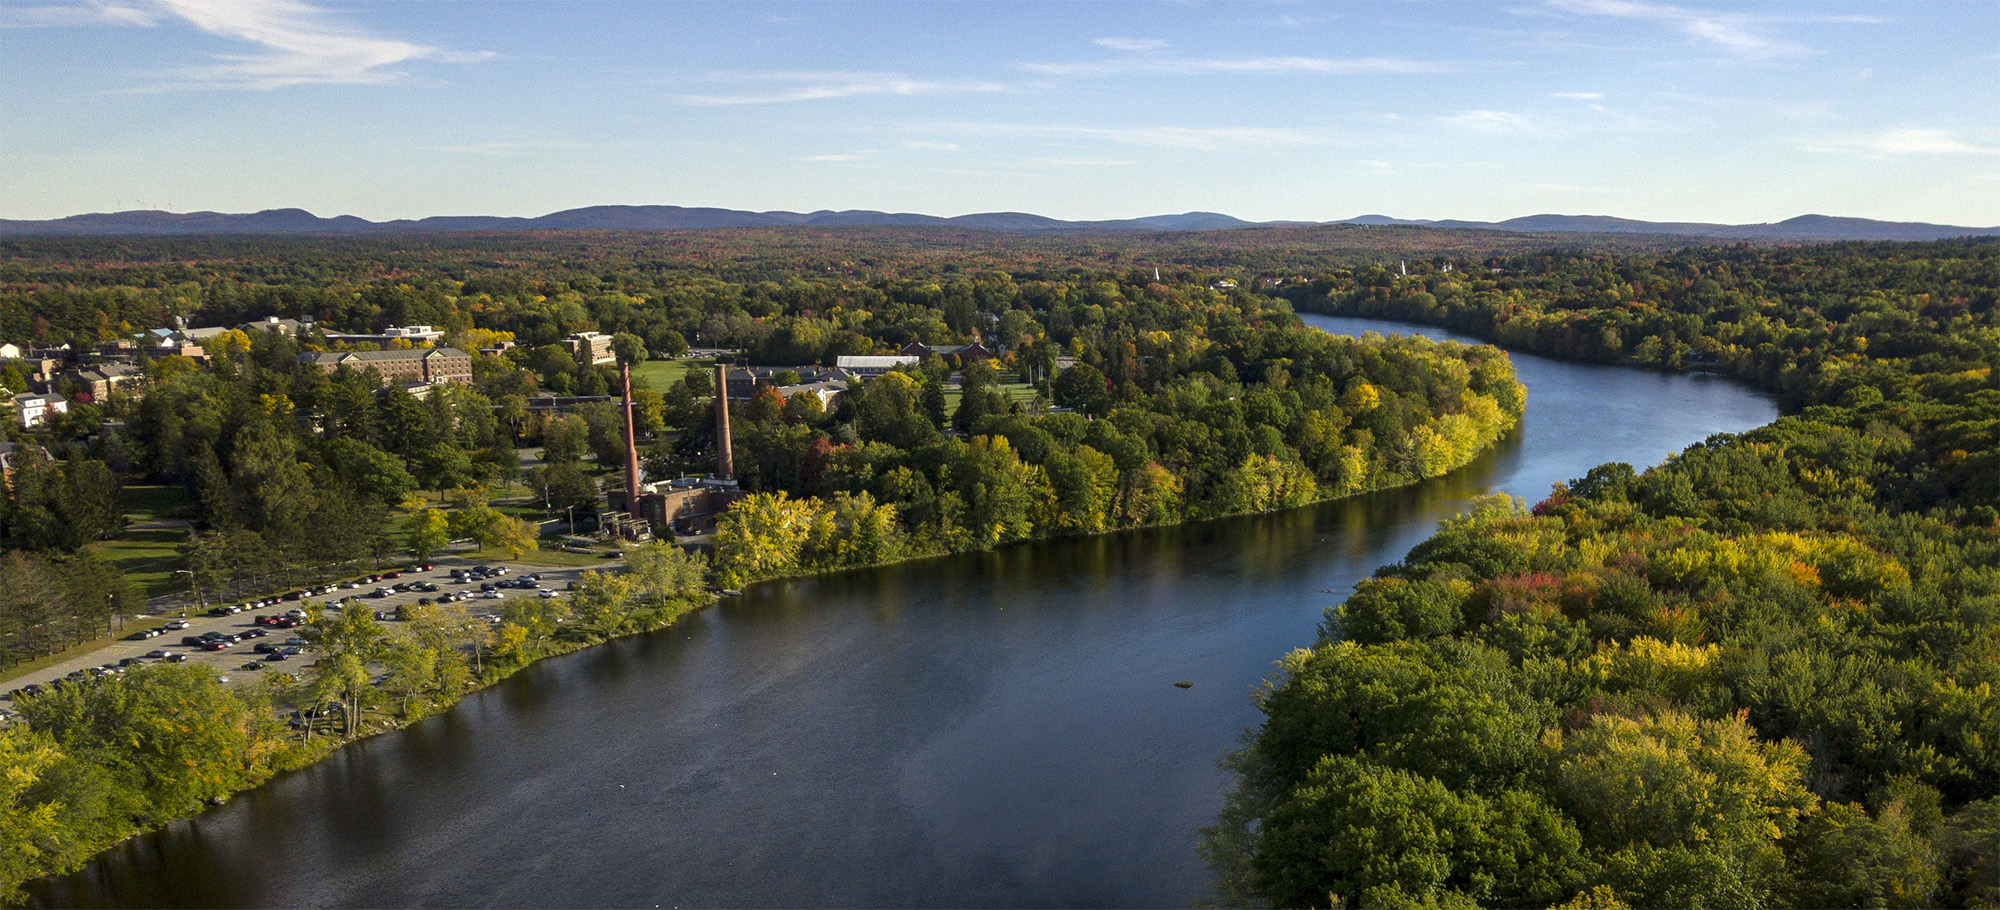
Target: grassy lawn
<point x="148" y="558"/>
<point x="548" y="559"/>
<point x="1015" y="391"/>
<point x="154" y="503"/>
<point x="659" y="374"/>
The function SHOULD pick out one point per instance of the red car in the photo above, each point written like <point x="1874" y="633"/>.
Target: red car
<point x="215" y="646"/>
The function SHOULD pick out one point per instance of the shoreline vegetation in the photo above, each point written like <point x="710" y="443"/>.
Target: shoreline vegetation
<point x="230" y="744"/>
<point x="1762" y="673"/>
<point x="1135" y="399"/>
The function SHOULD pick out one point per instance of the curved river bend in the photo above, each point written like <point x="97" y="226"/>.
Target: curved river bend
<point x="990" y="729"/>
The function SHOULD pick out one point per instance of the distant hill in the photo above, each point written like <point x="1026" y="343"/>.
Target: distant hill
<point x="1805" y="228"/>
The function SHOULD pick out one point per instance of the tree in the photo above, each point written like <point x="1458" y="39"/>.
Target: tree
<point x="762" y="536"/>
<point x="507" y="533"/>
<point x="630" y="349"/>
<point x="429" y="533"/>
<point x="564" y="439"/>
<point x="1082" y="387"/>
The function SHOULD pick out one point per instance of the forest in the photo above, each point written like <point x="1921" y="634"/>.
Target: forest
<point x="1760" y="674"/>
<point x="1119" y="399"/>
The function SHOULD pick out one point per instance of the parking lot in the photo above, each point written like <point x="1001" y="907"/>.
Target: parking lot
<point x="235" y="661"/>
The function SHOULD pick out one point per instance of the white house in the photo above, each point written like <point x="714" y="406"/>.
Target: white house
<point x="37" y="408"/>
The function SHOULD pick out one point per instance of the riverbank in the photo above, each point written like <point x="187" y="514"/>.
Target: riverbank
<point x="948" y="688"/>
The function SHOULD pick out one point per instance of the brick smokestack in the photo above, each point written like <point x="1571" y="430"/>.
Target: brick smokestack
<point x="631" y="449"/>
<point x="725" y="459"/>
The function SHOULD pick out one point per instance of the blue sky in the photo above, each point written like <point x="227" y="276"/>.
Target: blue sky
<point x="1487" y="110"/>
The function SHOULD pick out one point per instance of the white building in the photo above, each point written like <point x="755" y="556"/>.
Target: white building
<point x="865" y="365"/>
<point x="37" y="408"/>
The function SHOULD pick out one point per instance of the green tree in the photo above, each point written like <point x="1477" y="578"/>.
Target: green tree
<point x="429" y="534"/>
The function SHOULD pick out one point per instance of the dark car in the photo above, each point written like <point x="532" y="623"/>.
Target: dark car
<point x="176" y="658"/>
<point x="217" y="645"/>
<point x="157" y="654"/>
<point x="253" y="633"/>
<point x="276" y="656"/>
<point x="192" y="641"/>
<point x="253" y="665"/>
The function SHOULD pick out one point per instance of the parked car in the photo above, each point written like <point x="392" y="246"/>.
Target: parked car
<point x="178" y="624"/>
<point x="176" y="658"/>
<point x="494" y="595"/>
<point x="215" y="645"/>
<point x="276" y="656"/>
<point x="253" y="665"/>
<point x="548" y="593"/>
<point x="157" y="654"/>
<point x="193" y="641"/>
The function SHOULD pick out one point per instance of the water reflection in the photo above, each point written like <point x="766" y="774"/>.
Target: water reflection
<point x="989" y="729"/>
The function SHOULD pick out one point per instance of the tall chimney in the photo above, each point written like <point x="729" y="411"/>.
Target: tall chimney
<point x="725" y="460"/>
<point x="631" y="450"/>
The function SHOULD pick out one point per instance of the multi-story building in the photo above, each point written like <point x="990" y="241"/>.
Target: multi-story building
<point x="36" y="408"/>
<point x="429" y="365"/>
<point x="590" y="348"/>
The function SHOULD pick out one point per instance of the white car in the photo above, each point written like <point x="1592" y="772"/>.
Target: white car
<point x="493" y="595"/>
<point x="547" y="593"/>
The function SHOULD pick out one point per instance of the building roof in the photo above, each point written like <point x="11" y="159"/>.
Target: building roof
<point x="875" y="361"/>
<point x="35" y="398"/>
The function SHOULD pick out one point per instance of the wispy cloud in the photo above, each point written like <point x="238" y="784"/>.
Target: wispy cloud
<point x="1734" y="33"/>
<point x="1898" y="142"/>
<point x="821" y="86"/>
<point x="1323" y="66"/>
<point x="1489" y="121"/>
<point x="1223" y="138"/>
<point x="77" y="15"/>
<point x="1578" y="96"/>
<point x="1134" y="45"/>
<point x="929" y="146"/>
<point x="298" y="43"/>
<point x="844" y="156"/>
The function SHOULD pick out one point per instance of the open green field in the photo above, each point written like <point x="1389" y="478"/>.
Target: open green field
<point x="1019" y="392"/>
<point x="148" y="503"/>
<point x="148" y="558"/>
<point x="659" y="374"/>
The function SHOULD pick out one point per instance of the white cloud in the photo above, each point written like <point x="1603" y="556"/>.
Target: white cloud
<point x="931" y="146"/>
<point x="1891" y="143"/>
<point x="1135" y="45"/>
<point x="1490" y="121"/>
<point x="76" y="15"/>
<point x="300" y="43"/>
<point x="1323" y="66"/>
<point x="1578" y="96"/>
<point x="1224" y="138"/>
<point x="1732" y="32"/>
<point x="851" y="156"/>
<point x="818" y="86"/>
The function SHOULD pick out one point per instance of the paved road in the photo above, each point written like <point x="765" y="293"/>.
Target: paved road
<point x="229" y="662"/>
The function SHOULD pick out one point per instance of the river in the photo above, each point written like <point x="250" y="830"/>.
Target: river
<point x="990" y="729"/>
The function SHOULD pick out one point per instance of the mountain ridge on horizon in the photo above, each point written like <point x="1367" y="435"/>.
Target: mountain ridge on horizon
<point x="295" y="221"/>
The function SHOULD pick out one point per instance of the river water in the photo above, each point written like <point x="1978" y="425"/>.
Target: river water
<point x="991" y="729"/>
